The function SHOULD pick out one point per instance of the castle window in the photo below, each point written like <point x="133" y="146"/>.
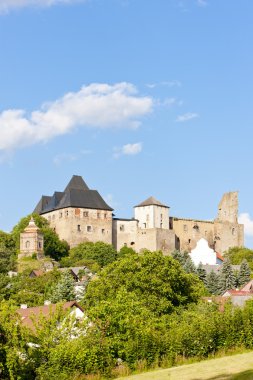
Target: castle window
<point x="39" y="244"/>
<point x="89" y="229"/>
<point x="105" y="216"/>
<point x="185" y="228"/>
<point x="122" y="227"/>
<point x="27" y="244"/>
<point x="161" y="225"/>
<point x="103" y="231"/>
<point x="233" y="231"/>
<point x="85" y="214"/>
<point x="132" y="243"/>
<point x="60" y="215"/>
<point x="161" y="216"/>
<point x="66" y="213"/>
<point x="98" y="215"/>
<point x="189" y="241"/>
<point x="144" y="225"/>
<point x="78" y="227"/>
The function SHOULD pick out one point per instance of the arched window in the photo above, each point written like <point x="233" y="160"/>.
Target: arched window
<point x="27" y="244"/>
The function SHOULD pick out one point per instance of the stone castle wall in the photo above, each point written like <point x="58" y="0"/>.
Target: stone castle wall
<point x="77" y="225"/>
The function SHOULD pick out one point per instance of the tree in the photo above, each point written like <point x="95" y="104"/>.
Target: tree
<point x="7" y="252"/>
<point x="99" y="252"/>
<point x="181" y="257"/>
<point x="226" y="277"/>
<point x="159" y="281"/>
<point x="201" y="272"/>
<point x="53" y="246"/>
<point x="238" y="254"/>
<point x="212" y="279"/>
<point x="244" y="273"/>
<point x="189" y="266"/>
<point x="64" y="289"/>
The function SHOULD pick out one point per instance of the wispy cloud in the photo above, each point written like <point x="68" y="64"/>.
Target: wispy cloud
<point x="202" y="3"/>
<point x="173" y="83"/>
<point x="128" y="150"/>
<point x="245" y="219"/>
<point x="69" y="157"/>
<point x="99" y="106"/>
<point x="8" y="5"/>
<point x="186" y="117"/>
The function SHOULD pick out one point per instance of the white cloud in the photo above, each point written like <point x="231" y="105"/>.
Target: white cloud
<point x="128" y="150"/>
<point x="173" y="83"/>
<point x="186" y="117"/>
<point x="99" y="106"/>
<point x="8" y="5"/>
<point x="245" y="219"/>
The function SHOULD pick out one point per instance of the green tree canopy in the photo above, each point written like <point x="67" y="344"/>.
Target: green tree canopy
<point x="159" y="281"/>
<point x="244" y="273"/>
<point x="53" y="246"/>
<point x="99" y="252"/>
<point x="7" y="252"/>
<point x="237" y="254"/>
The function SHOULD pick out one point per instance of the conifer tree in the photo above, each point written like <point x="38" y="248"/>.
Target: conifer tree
<point x="64" y="290"/>
<point x="189" y="266"/>
<point x="244" y="273"/>
<point x="226" y="278"/>
<point x="212" y="282"/>
<point x="201" y="272"/>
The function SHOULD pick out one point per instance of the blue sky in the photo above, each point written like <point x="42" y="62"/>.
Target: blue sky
<point x="146" y="97"/>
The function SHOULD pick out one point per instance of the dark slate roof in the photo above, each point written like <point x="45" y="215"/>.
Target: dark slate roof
<point x="76" y="194"/>
<point x="151" y="201"/>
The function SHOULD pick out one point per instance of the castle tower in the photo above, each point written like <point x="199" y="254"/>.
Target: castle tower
<point x="152" y="214"/>
<point x="31" y="241"/>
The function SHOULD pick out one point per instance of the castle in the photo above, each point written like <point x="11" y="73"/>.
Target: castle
<point x="79" y="214"/>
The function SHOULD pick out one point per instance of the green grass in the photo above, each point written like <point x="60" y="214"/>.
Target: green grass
<point x="236" y="367"/>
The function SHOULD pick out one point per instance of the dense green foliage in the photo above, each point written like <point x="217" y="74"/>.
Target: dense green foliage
<point x="53" y="246"/>
<point x="89" y="253"/>
<point x="237" y="254"/>
<point x="64" y="289"/>
<point x="7" y="252"/>
<point x="158" y="281"/>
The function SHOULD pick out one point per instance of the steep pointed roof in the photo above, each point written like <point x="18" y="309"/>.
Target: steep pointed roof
<point x="76" y="183"/>
<point x="76" y="194"/>
<point x="151" y="201"/>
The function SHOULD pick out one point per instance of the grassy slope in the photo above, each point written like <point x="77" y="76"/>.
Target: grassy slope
<point x="236" y="367"/>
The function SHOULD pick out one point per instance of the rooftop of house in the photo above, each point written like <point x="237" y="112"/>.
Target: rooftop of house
<point x="76" y="194"/>
<point x="151" y="201"/>
<point x="30" y="315"/>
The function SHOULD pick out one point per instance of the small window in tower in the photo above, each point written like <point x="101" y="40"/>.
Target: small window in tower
<point x="78" y="227"/>
<point x="161" y="216"/>
<point x="66" y="213"/>
<point x="189" y="241"/>
<point x="89" y="229"/>
<point x="27" y="244"/>
<point x="103" y="231"/>
<point x="233" y="231"/>
<point x="122" y="227"/>
<point x="144" y="225"/>
<point x="105" y="216"/>
<point x="60" y="215"/>
<point x="85" y="214"/>
<point x="98" y="215"/>
<point x="161" y="225"/>
<point x="39" y="244"/>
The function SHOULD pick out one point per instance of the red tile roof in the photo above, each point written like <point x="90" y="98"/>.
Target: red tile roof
<point x="31" y="314"/>
<point x="218" y="255"/>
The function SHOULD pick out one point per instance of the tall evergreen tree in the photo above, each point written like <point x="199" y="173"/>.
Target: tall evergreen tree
<point x="189" y="266"/>
<point x="244" y="273"/>
<point x="212" y="282"/>
<point x="201" y="272"/>
<point x="226" y="278"/>
<point x="64" y="290"/>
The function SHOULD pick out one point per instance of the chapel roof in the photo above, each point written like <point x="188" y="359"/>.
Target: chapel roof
<point x="76" y="194"/>
<point x="151" y="201"/>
